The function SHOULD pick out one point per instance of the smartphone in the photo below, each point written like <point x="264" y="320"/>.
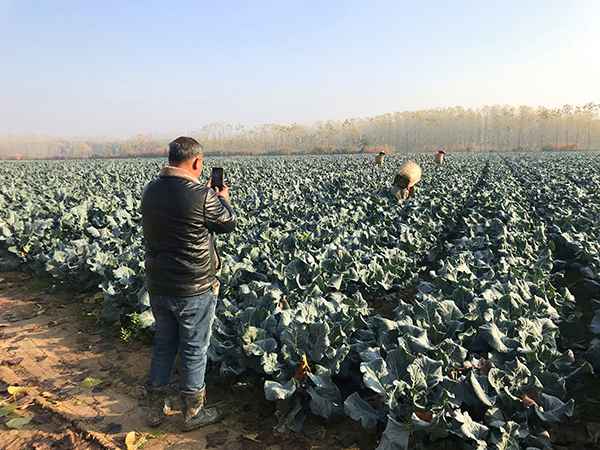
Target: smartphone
<point x="216" y="178"/>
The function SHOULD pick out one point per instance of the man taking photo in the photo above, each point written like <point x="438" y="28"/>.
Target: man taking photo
<point x="180" y="216"/>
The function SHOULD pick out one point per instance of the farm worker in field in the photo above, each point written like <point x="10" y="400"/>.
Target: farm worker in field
<point x="405" y="180"/>
<point x="439" y="156"/>
<point x="379" y="159"/>
<point x="180" y="216"/>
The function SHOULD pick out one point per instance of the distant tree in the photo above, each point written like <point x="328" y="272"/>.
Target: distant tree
<point x="363" y="144"/>
<point x="489" y="128"/>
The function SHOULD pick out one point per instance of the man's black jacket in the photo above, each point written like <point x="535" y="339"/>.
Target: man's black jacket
<point x="179" y="217"/>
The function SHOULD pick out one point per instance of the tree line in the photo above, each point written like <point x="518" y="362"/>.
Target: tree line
<point x="489" y="128"/>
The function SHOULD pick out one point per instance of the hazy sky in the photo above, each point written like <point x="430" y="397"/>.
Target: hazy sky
<point x="124" y="67"/>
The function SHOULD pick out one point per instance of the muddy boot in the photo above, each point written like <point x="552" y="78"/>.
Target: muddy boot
<point x="195" y="415"/>
<point x="155" y="398"/>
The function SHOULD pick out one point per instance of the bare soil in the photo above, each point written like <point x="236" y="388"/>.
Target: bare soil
<point x="51" y="342"/>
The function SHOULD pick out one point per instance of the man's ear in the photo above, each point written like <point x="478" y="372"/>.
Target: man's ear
<point x="197" y="164"/>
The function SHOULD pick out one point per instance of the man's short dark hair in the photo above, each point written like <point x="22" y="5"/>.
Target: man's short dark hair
<point x="183" y="149"/>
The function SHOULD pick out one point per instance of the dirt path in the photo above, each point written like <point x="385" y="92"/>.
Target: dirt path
<point x="51" y="345"/>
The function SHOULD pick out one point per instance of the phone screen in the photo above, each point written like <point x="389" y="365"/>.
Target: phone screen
<point x="216" y="177"/>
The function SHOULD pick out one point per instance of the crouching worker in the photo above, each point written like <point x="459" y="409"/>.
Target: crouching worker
<point x="405" y="180"/>
<point x="179" y="217"/>
<point x="379" y="159"/>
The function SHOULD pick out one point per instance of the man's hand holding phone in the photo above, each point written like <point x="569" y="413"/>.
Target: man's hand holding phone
<point x="223" y="192"/>
<point x="216" y="182"/>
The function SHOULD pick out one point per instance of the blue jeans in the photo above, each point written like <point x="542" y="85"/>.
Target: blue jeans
<point x="184" y="325"/>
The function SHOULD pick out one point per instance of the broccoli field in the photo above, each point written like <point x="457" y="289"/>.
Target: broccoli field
<point x="470" y="314"/>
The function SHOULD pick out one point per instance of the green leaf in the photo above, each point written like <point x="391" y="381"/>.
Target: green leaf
<point x="270" y="363"/>
<point x="478" y="390"/>
<point x="468" y="428"/>
<point x="90" y="382"/>
<point x="277" y="391"/>
<point x="18" y="422"/>
<point x="553" y="410"/>
<point x="374" y="372"/>
<point x="361" y="411"/>
<point x="492" y="335"/>
<point x="336" y="282"/>
<point x="395" y="436"/>
<point x="6" y="409"/>
<point x="321" y="405"/>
